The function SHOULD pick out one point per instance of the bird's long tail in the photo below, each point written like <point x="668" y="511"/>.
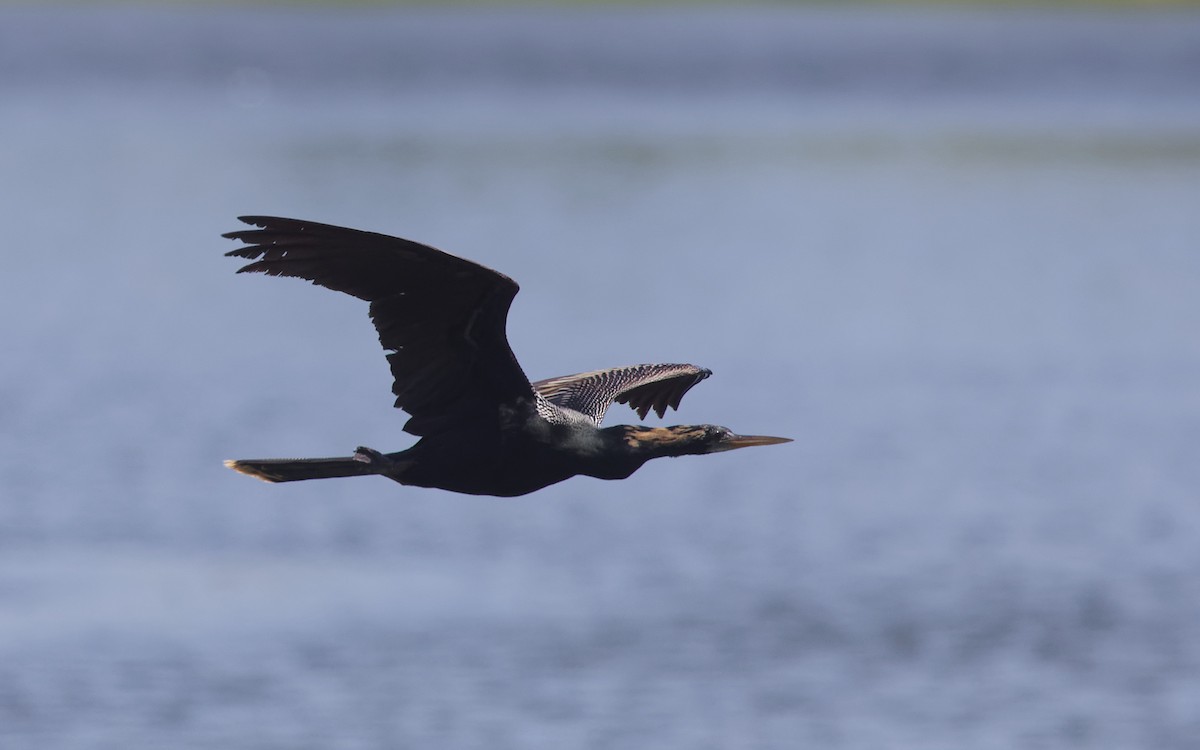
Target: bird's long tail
<point x="295" y="469"/>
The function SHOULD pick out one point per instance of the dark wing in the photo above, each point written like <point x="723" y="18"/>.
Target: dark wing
<point x="643" y="387"/>
<point x="442" y="318"/>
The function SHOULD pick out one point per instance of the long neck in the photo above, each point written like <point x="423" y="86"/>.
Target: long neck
<point x="619" y="451"/>
<point x="641" y="443"/>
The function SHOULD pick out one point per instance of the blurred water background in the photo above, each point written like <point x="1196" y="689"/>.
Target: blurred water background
<point x="953" y="253"/>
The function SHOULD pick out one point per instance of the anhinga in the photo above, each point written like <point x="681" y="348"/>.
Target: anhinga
<point x="484" y="428"/>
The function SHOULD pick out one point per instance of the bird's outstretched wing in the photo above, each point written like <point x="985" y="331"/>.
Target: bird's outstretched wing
<point x="441" y="318"/>
<point x="643" y="387"/>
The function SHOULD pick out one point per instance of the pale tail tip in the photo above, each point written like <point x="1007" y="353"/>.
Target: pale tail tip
<point x="249" y="471"/>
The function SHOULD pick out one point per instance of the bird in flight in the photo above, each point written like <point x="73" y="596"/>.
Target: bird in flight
<point x="484" y="428"/>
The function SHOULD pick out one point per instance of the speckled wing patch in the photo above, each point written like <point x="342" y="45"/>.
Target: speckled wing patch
<point x="643" y="387"/>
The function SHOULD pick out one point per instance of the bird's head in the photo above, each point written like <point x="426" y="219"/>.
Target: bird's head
<point x="717" y="438"/>
<point x="685" y="440"/>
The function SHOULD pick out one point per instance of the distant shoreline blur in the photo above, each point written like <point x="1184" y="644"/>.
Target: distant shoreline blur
<point x="1049" y="5"/>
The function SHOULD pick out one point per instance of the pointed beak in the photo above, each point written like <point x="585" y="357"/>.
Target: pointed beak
<point x="747" y="441"/>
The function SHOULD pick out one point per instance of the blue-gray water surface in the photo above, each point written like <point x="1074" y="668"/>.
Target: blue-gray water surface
<point x="953" y="254"/>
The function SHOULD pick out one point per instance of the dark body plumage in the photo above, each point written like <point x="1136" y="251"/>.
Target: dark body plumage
<point x="485" y="429"/>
